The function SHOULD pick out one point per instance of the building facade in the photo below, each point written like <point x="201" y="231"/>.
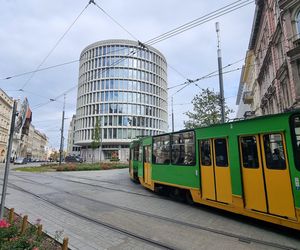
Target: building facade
<point x="123" y="84"/>
<point x="39" y="146"/>
<point x="72" y="149"/>
<point x="32" y="146"/>
<point x="243" y="108"/>
<point x="6" y="106"/>
<point x="273" y="58"/>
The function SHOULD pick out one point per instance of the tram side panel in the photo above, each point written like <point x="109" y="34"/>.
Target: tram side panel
<point x="265" y="190"/>
<point x="174" y="161"/>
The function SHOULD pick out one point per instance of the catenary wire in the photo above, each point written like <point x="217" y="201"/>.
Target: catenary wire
<point x="76" y="85"/>
<point x="189" y="23"/>
<point x="54" y="47"/>
<point x="126" y="30"/>
<point x="74" y="61"/>
<point x="114" y="20"/>
<point x="202" y="20"/>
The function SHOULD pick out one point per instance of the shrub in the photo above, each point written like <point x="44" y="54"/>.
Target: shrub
<point x="10" y="237"/>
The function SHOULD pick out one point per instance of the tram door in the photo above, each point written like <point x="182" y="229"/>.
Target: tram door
<point x="131" y="162"/>
<point x="147" y="164"/>
<point x="266" y="178"/>
<point x="215" y="170"/>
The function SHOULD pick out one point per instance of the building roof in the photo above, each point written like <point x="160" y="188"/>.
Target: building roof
<point x="120" y="42"/>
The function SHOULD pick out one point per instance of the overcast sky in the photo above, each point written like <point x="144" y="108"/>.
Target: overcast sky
<point x="29" y="30"/>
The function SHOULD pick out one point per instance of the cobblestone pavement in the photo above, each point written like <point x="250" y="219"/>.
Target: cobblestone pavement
<point x="108" y="198"/>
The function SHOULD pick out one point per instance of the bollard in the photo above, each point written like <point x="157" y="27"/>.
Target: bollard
<point x="39" y="230"/>
<point x="65" y="244"/>
<point x="11" y="215"/>
<point x="24" y="224"/>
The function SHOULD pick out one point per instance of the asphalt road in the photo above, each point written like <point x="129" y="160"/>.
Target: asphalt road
<point x="105" y="210"/>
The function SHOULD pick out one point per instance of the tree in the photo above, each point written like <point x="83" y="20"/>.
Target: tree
<point x="206" y="110"/>
<point x="54" y="156"/>
<point x="96" y="135"/>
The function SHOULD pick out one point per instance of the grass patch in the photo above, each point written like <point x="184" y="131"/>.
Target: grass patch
<point x="44" y="168"/>
<point x="74" y="167"/>
<point x="90" y="166"/>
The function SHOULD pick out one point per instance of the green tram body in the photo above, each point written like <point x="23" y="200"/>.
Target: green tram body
<point x="134" y="159"/>
<point x="250" y="167"/>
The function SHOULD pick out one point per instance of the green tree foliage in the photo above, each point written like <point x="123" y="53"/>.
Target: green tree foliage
<point x="54" y="156"/>
<point x="206" y="110"/>
<point x="96" y="137"/>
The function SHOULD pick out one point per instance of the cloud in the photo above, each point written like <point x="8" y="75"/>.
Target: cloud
<point x="29" y="29"/>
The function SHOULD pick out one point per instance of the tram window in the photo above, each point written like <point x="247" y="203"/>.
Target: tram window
<point x="274" y="151"/>
<point x="221" y="152"/>
<point x="205" y="153"/>
<point x="147" y="151"/>
<point x="131" y="154"/>
<point x="183" y="148"/>
<point x="136" y="153"/>
<point x="249" y="152"/>
<point x="140" y="153"/>
<point x="161" y="149"/>
<point x="296" y="139"/>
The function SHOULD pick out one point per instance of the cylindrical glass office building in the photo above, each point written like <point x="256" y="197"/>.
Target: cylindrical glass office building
<point x="124" y="84"/>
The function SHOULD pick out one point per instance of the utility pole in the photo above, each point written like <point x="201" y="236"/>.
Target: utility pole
<point x="172" y="115"/>
<point x="222" y="100"/>
<point x="7" y="162"/>
<point x="62" y="132"/>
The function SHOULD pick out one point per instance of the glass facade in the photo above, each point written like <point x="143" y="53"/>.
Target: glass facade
<point x="124" y="85"/>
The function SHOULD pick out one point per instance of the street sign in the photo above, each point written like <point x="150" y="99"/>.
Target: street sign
<point x="22" y="116"/>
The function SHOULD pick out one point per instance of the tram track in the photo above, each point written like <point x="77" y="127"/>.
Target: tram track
<point x="100" y="186"/>
<point x="240" y="238"/>
<point x="95" y="221"/>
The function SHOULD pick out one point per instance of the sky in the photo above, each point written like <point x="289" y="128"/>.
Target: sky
<point x="30" y="29"/>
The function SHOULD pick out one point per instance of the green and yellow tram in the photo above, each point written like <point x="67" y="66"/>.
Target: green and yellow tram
<point x="249" y="167"/>
<point x="134" y="160"/>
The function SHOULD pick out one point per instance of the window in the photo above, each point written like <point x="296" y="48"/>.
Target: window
<point x="140" y="152"/>
<point x="295" y="123"/>
<point x="221" y="152"/>
<point x="205" y="152"/>
<point x="248" y="146"/>
<point x="298" y="23"/>
<point x="274" y="151"/>
<point x="147" y="152"/>
<point x="161" y="149"/>
<point x="183" y="148"/>
<point x="136" y="153"/>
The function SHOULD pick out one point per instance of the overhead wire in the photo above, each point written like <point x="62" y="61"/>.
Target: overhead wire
<point x="130" y="34"/>
<point x="212" y="74"/>
<point x="199" y="21"/>
<point x="73" y="61"/>
<point x="154" y="40"/>
<point x="75" y="86"/>
<point x="56" y="119"/>
<point x="38" y="70"/>
<point x="54" y="47"/>
<point x="114" y="20"/>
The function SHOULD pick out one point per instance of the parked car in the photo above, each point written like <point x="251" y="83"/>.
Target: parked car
<point x="72" y="158"/>
<point x="20" y="160"/>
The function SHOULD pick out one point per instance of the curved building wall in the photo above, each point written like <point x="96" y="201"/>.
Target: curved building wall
<point x="124" y="85"/>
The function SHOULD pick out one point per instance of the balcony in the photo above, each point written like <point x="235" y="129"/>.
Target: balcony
<point x="247" y="97"/>
<point x="297" y="43"/>
<point x="295" y="51"/>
